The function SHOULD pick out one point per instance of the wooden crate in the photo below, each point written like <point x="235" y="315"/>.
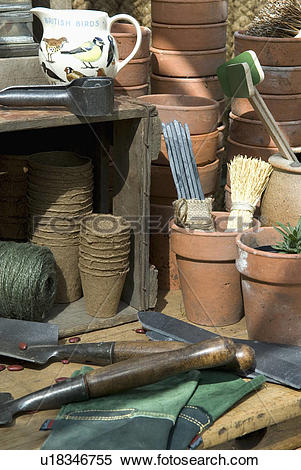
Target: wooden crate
<point x="131" y="137"/>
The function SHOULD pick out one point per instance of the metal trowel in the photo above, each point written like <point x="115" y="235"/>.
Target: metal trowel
<point x="238" y="78"/>
<point x="87" y="96"/>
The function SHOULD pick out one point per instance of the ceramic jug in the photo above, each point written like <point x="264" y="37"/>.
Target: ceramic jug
<point x="78" y="43"/>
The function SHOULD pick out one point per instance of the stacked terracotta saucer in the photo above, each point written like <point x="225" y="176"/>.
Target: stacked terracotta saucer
<point x="13" y="204"/>
<point x="103" y="262"/>
<point x="60" y="193"/>
<point x="133" y="79"/>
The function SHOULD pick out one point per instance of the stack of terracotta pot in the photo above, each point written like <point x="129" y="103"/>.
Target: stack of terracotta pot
<point x="13" y="204"/>
<point x="281" y="90"/>
<point x="202" y="116"/>
<point x="60" y="193"/>
<point x="188" y="44"/>
<point x="103" y="262"/>
<point x="133" y="79"/>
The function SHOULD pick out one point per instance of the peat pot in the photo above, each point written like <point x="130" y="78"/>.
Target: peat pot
<point x="281" y="201"/>
<point x="209" y="280"/>
<point x="271" y="285"/>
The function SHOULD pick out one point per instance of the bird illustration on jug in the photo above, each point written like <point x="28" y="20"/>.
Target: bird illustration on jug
<point x="79" y="43"/>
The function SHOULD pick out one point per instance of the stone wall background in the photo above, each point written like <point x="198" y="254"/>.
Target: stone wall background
<point x="240" y="12"/>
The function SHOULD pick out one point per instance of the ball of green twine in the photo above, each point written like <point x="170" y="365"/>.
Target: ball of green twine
<point x="27" y="281"/>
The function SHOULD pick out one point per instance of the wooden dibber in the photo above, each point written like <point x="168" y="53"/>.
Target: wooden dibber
<point x="238" y="78"/>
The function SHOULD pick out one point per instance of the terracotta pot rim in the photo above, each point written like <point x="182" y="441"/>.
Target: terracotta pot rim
<point x="208" y="103"/>
<point x="274" y="68"/>
<point x="258" y="122"/>
<point x="277" y="161"/>
<point x="187" y="231"/>
<point x="188" y="53"/>
<point x="241" y="34"/>
<point x="144" y="30"/>
<point x="264" y="254"/>
<point x="140" y="60"/>
<point x="210" y="78"/>
<point x="189" y="26"/>
<point x="209" y="166"/>
<point x="255" y="147"/>
<point x="135" y="87"/>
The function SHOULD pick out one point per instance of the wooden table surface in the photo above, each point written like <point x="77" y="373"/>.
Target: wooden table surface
<point x="274" y="411"/>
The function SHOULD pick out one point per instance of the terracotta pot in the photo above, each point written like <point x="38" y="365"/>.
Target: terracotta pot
<point x="221" y="136"/>
<point x="186" y="37"/>
<point x="281" y="81"/>
<point x="252" y="132"/>
<point x="282" y="198"/>
<point x="209" y="280"/>
<point x="163" y="190"/>
<point x="125" y="37"/>
<point x="209" y="87"/>
<point x="236" y="148"/>
<point x="271" y="284"/>
<point x="188" y="63"/>
<point x="282" y="52"/>
<point x="132" y="91"/>
<point x="189" y="12"/>
<point x="282" y="107"/>
<point x="135" y="73"/>
<point x="161" y="254"/>
<point x="204" y="149"/>
<point x="201" y="114"/>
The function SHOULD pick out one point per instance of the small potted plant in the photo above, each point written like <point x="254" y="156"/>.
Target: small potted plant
<point x="269" y="262"/>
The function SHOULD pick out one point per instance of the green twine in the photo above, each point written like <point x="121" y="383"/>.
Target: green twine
<point x="27" y="281"/>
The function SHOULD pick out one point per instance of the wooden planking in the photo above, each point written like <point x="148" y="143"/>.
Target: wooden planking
<point x="133" y="145"/>
<point x="15" y="119"/>
<point x="282" y="436"/>
<point x="73" y="319"/>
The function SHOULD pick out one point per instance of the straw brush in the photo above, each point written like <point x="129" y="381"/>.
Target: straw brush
<point x="278" y="18"/>
<point x="249" y="178"/>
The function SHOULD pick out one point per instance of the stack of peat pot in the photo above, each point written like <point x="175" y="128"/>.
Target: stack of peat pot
<point x="13" y="204"/>
<point x="60" y="193"/>
<point x="103" y="262"/>
<point x="133" y="79"/>
<point x="281" y="90"/>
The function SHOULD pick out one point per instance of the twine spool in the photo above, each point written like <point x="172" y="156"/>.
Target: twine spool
<point x="27" y="281"/>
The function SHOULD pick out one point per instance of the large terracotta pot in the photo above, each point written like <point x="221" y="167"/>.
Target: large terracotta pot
<point x="125" y="37"/>
<point x="282" y="52"/>
<point x="209" y="87"/>
<point x="209" y="280"/>
<point x="163" y="190"/>
<point x="280" y="81"/>
<point x="252" y="132"/>
<point x="186" y="63"/>
<point x="281" y="201"/>
<point x="135" y="73"/>
<point x="204" y="149"/>
<point x="201" y="114"/>
<point x="282" y="107"/>
<point x="186" y="37"/>
<point x="161" y="254"/>
<point x="189" y="12"/>
<point x="271" y="284"/>
<point x="236" y="148"/>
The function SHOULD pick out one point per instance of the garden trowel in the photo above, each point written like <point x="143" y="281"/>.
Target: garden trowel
<point x="280" y="363"/>
<point x="238" y="78"/>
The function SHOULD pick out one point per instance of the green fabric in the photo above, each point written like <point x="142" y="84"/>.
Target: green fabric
<point x="167" y="414"/>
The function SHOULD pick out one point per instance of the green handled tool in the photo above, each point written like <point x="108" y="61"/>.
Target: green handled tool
<point x="238" y="78"/>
